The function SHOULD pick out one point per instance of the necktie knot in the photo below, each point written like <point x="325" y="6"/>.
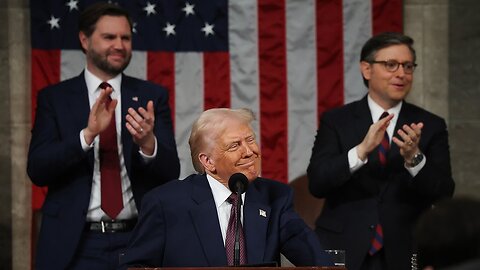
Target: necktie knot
<point x="104" y="85"/>
<point x="384" y="114"/>
<point x="232" y="199"/>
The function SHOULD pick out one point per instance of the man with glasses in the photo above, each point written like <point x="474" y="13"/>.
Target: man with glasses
<point x="379" y="162"/>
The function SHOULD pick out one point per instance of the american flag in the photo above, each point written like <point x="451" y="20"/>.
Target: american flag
<point x="286" y="60"/>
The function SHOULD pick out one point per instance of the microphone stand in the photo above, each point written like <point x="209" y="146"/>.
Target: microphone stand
<point x="236" y="251"/>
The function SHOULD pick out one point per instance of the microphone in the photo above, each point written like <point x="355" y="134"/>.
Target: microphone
<point x="237" y="183"/>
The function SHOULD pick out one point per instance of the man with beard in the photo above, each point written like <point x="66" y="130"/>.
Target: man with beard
<point x="100" y="141"/>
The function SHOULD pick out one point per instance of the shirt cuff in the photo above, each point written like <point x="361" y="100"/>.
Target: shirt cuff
<point x="415" y="170"/>
<point x="148" y="158"/>
<point x="85" y="146"/>
<point x="354" y="162"/>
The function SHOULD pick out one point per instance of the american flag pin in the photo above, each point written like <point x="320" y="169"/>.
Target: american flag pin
<point x="135" y="98"/>
<point x="262" y="212"/>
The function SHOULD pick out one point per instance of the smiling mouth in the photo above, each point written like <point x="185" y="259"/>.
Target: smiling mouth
<point x="247" y="164"/>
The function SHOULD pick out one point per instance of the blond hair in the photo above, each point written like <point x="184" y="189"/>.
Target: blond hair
<point x="209" y="126"/>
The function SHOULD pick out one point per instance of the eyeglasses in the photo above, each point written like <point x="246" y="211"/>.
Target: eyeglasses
<point x="392" y="65"/>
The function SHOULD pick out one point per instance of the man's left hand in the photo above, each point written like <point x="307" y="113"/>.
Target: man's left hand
<point x="140" y="124"/>
<point x="410" y="138"/>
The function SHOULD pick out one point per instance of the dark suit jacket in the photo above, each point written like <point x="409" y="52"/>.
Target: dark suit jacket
<point x="57" y="160"/>
<point x="179" y="227"/>
<point x="356" y="202"/>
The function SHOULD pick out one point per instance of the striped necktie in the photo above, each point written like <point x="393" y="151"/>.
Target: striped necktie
<point x="377" y="240"/>
<point x="384" y="145"/>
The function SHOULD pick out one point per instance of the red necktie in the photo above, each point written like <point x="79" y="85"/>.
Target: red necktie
<point x="230" y="237"/>
<point x="377" y="240"/>
<point x="110" y="182"/>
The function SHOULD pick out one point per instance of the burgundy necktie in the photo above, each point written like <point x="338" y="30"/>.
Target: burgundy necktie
<point x="377" y="240"/>
<point x="110" y="182"/>
<point x="230" y="237"/>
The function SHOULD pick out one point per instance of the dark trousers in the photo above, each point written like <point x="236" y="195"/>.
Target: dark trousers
<point x="99" y="251"/>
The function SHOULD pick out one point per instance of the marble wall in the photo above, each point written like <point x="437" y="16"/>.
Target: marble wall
<point x="15" y="111"/>
<point x="447" y="40"/>
<point x="464" y="94"/>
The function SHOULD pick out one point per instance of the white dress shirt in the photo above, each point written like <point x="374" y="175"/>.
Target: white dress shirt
<point x="129" y="211"/>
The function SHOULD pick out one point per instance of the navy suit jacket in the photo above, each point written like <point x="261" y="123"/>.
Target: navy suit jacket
<point x="56" y="160"/>
<point x="178" y="227"/>
<point x="356" y="202"/>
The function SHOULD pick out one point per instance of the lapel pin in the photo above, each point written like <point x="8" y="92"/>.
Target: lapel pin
<point x="262" y="212"/>
<point x="135" y="98"/>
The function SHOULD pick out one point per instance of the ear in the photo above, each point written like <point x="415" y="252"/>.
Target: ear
<point x="207" y="162"/>
<point x="83" y="40"/>
<point x="366" y="69"/>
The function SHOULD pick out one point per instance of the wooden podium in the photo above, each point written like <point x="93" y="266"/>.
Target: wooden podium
<point x="246" y="268"/>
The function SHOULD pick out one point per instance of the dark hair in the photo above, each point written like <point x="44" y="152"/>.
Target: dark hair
<point x="89" y="17"/>
<point x="449" y="233"/>
<point x="381" y="41"/>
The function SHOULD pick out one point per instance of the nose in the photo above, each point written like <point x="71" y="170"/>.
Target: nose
<point x="247" y="150"/>
<point x="118" y="43"/>
<point x="400" y="71"/>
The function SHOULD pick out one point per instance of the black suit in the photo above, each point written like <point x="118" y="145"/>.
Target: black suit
<point x="179" y="227"/>
<point x="356" y="202"/>
<point x="56" y="160"/>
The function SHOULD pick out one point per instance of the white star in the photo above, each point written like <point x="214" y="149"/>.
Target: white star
<point x="72" y="4"/>
<point x="150" y="9"/>
<point x="169" y="29"/>
<point x="54" y="22"/>
<point x="208" y="29"/>
<point x="188" y="9"/>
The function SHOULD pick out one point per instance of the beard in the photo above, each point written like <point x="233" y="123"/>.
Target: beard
<point x="101" y="62"/>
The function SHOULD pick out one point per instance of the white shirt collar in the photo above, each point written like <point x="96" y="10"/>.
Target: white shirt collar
<point x="219" y="191"/>
<point x="93" y="82"/>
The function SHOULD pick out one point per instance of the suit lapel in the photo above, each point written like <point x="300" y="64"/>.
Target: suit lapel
<point x="405" y="117"/>
<point x="256" y="217"/>
<point x="130" y="99"/>
<point x="205" y="220"/>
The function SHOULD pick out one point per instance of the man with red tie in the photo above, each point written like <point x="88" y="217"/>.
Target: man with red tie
<point x="379" y="162"/>
<point x="187" y="223"/>
<point x="100" y="141"/>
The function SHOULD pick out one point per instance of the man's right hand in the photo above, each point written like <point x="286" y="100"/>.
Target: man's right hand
<point x="100" y="115"/>
<point x="374" y="137"/>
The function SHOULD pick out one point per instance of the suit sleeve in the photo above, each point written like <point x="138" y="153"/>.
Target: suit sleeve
<point x="146" y="246"/>
<point x="55" y="148"/>
<point x="298" y="242"/>
<point x="434" y="181"/>
<point x="328" y="169"/>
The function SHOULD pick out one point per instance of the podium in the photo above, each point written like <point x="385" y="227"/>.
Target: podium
<point x="246" y="268"/>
